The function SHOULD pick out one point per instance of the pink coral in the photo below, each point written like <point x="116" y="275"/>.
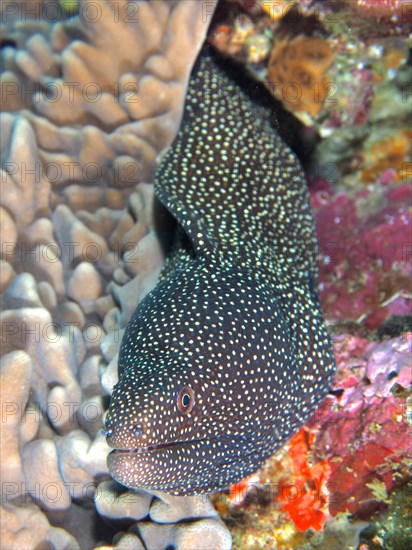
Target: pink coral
<point x="365" y="257"/>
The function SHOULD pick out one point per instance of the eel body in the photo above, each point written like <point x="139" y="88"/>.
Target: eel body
<point x="228" y="356"/>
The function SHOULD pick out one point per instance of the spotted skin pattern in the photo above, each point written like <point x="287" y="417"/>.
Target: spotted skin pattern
<point x="228" y="356"/>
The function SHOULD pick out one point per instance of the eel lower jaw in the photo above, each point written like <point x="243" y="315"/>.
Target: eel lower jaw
<point x="159" y="467"/>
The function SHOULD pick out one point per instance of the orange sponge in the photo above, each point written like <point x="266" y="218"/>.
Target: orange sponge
<point x="296" y="72"/>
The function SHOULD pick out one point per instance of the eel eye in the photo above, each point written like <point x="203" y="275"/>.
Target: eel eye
<point x="185" y="400"/>
<point x="137" y="431"/>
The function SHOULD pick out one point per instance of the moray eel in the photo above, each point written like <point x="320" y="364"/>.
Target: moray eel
<point x="228" y="356"/>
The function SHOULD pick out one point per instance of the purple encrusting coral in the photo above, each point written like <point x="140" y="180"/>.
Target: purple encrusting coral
<point x="365" y="253"/>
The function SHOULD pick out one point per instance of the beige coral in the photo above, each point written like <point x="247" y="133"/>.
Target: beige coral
<point x="126" y="104"/>
<point x="27" y="528"/>
<point x="15" y="376"/>
<point x="24" y="190"/>
<point x="169" y="517"/>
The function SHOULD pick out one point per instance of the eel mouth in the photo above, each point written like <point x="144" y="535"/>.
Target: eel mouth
<point x="156" y="447"/>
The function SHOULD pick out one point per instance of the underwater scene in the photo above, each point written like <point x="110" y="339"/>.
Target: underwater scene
<point x="205" y="275"/>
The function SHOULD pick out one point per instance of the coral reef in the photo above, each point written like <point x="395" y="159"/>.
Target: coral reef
<point x="368" y="424"/>
<point x="285" y="46"/>
<point x="337" y="68"/>
<point x="91" y="95"/>
<point x="27" y="527"/>
<point x="368" y="107"/>
<point x="126" y="107"/>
